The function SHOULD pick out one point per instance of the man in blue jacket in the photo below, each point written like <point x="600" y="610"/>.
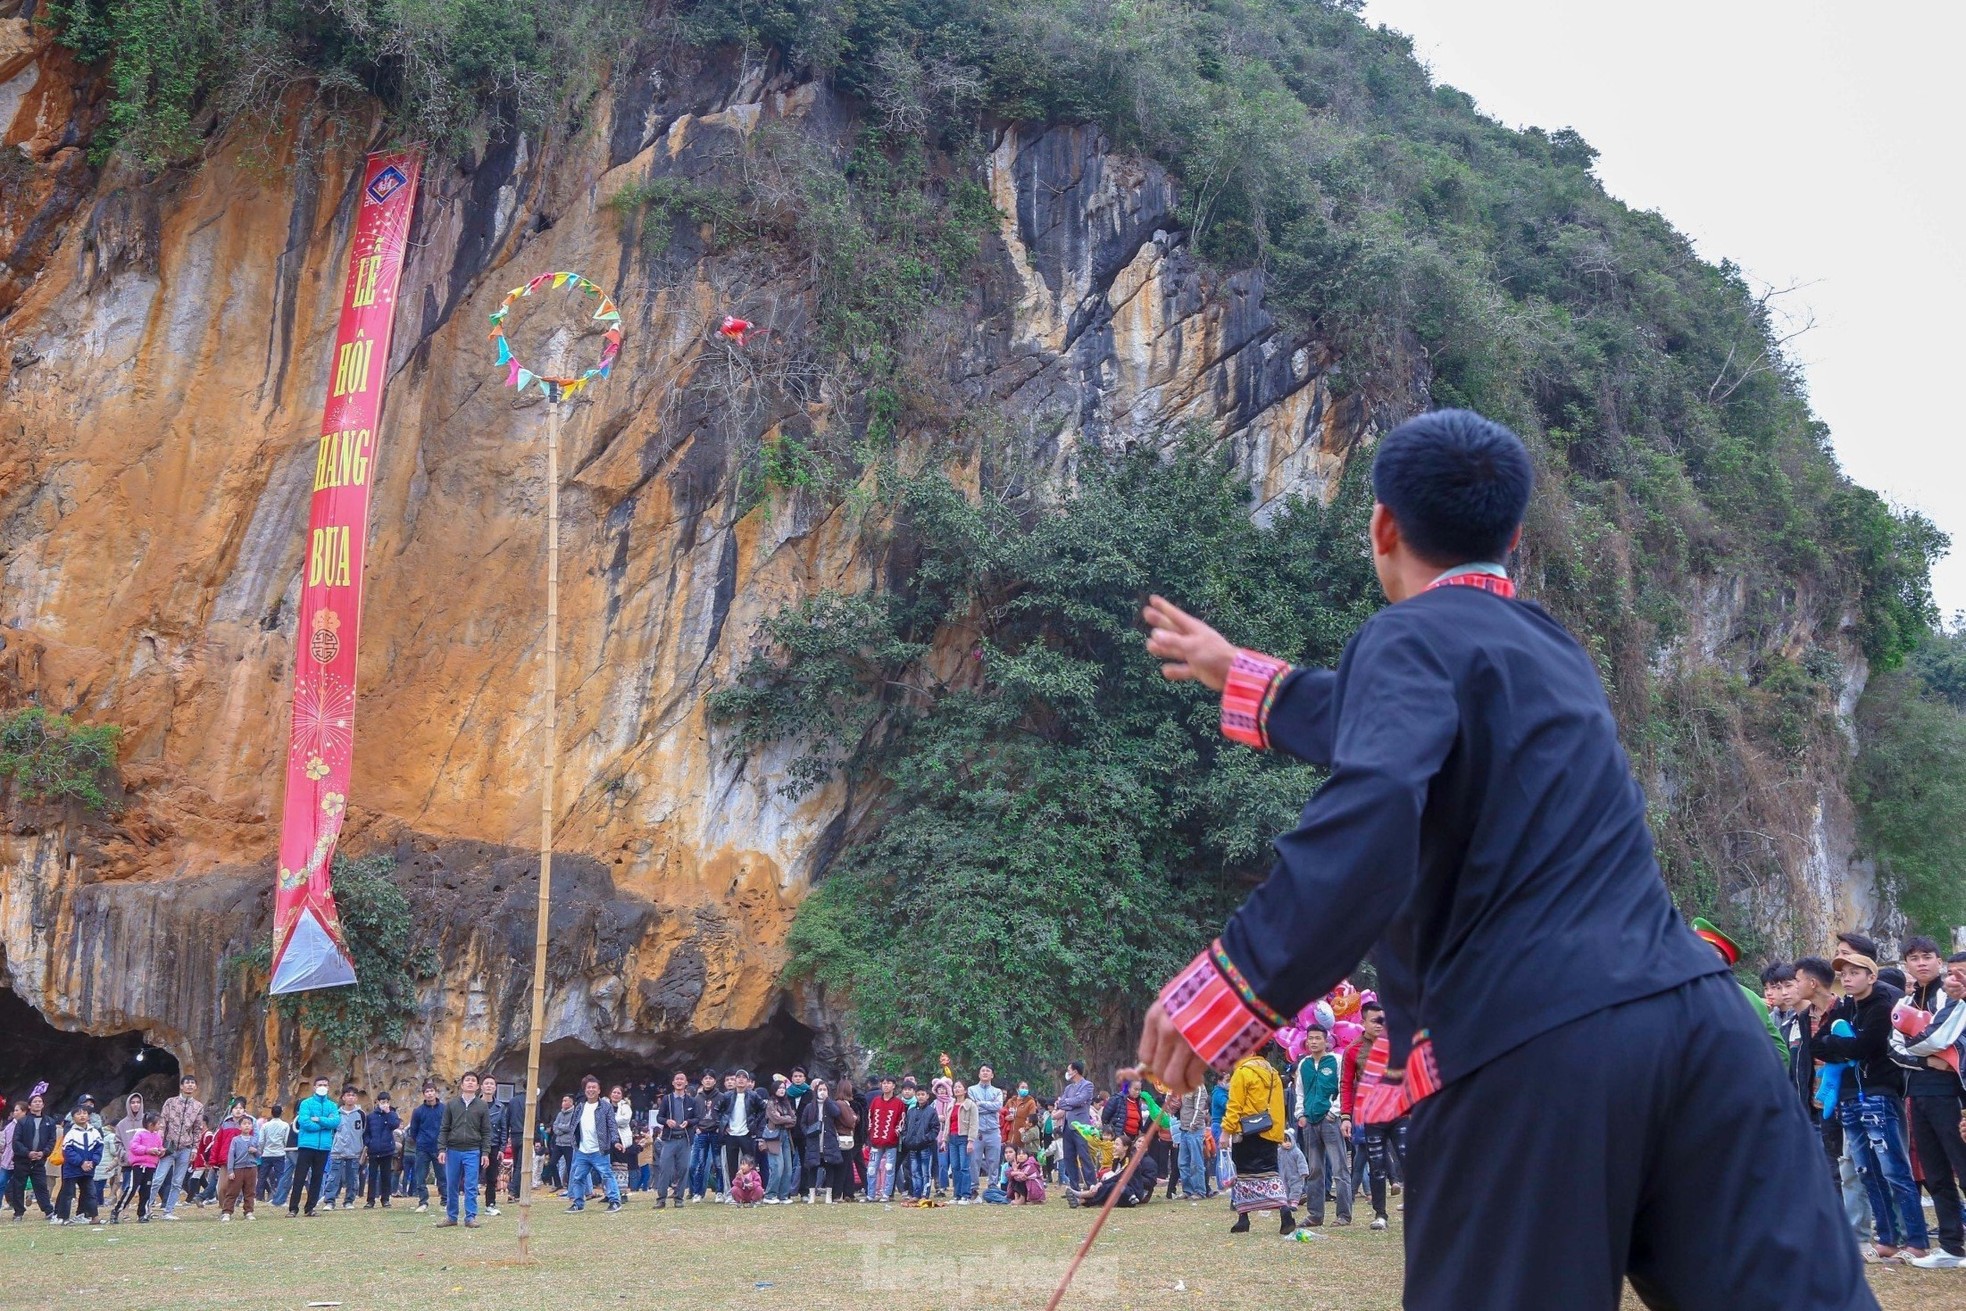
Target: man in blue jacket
<point x="425" y="1121"/>
<point x="1481" y="836"/>
<point x="1075" y="1104"/>
<point x="314" y="1124"/>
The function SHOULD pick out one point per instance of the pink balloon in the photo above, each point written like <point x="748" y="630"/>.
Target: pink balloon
<point x="1345" y="1033"/>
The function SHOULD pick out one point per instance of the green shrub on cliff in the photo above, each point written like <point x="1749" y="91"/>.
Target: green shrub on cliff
<point x="179" y="68"/>
<point x="390" y="959"/>
<point x="1055" y="822"/>
<point x="51" y="758"/>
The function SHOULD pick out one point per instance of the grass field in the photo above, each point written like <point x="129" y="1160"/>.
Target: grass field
<point x="1165" y="1256"/>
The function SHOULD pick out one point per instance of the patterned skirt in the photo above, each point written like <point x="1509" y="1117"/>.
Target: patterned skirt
<point x="1257" y="1185"/>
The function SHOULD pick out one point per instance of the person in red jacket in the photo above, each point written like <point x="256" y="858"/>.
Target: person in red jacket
<point x="884" y="1115"/>
<point x="1384" y="1145"/>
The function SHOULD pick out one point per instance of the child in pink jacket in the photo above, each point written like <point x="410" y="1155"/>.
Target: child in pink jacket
<point x="146" y="1146"/>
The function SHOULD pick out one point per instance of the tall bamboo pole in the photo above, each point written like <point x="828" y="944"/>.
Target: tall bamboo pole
<point x="522" y="1158"/>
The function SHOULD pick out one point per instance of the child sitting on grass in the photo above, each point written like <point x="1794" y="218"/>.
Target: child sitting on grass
<point x="748" y="1189"/>
<point x="1026" y="1181"/>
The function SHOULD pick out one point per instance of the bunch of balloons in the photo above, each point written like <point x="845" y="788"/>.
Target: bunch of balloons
<point x="1335" y="1013"/>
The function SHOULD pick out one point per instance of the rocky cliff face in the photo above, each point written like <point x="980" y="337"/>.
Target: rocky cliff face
<point x="163" y="360"/>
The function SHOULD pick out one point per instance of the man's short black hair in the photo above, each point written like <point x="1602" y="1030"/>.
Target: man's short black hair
<point x="1957" y="958"/>
<point x="1370" y="1007"/>
<point x="1856" y="941"/>
<point x="1893" y="977"/>
<point x="1779" y="972"/>
<point x="1457" y="485"/>
<point x="1917" y="942"/>
<point x="1076" y="1067"/>
<point x="1816" y="968"/>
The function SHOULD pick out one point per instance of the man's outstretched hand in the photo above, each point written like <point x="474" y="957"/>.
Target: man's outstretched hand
<point x="1188" y="649"/>
<point x="1167" y="1055"/>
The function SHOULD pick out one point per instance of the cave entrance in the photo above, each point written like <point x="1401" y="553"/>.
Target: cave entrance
<point x="108" y="1069"/>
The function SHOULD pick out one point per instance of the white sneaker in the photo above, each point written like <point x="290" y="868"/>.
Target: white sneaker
<point x="490" y="1210"/>
<point x="1939" y="1260"/>
<point x="224" y="1218"/>
<point x="252" y="1215"/>
<point x="421" y="1209"/>
<point x="327" y="1206"/>
<point x="1378" y="1224"/>
<point x="169" y="1216"/>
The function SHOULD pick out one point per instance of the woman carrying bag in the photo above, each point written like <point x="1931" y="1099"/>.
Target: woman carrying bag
<point x="819" y="1122"/>
<point x="1253" y="1120"/>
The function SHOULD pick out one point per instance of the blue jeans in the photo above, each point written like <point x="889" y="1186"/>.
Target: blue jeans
<point x="1194" y="1162"/>
<point x="918" y="1171"/>
<point x="703" y="1170"/>
<point x="173" y="1168"/>
<point x="1873" y="1127"/>
<point x="274" y="1172"/>
<point x="959" y="1166"/>
<point x="344" y="1179"/>
<point x="461" y="1180"/>
<point x="594" y="1163"/>
<point x="781" y="1180"/>
<point x="942" y="1165"/>
<point x="880" y="1173"/>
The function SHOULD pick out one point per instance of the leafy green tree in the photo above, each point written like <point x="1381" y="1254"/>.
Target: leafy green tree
<point x="1910" y="790"/>
<point x="1054" y="825"/>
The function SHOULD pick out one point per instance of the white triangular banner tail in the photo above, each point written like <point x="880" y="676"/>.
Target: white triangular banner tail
<point x="311" y="959"/>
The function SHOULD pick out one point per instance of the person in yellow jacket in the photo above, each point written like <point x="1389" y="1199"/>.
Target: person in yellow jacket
<point x="1254" y="1122"/>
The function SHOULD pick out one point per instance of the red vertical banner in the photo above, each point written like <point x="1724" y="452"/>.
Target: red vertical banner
<point x="309" y="950"/>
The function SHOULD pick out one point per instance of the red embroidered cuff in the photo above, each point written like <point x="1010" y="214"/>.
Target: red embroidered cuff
<point x="1248" y="694"/>
<point x="1382" y="1103"/>
<point x="1211" y="1016"/>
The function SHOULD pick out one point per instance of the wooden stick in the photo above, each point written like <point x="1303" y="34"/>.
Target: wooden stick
<point x="1146" y="1140"/>
<point x="521" y="1158"/>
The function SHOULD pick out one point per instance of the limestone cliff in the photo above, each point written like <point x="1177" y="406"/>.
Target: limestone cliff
<point x="164" y="347"/>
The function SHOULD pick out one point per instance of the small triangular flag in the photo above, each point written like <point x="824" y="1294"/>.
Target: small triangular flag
<point x="525" y="378"/>
<point x="504" y="351"/>
<point x="512" y="373"/>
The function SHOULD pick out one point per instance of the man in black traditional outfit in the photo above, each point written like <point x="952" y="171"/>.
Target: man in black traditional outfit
<point x="1590" y="1095"/>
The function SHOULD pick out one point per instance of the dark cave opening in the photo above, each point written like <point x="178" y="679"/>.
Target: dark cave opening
<point x="106" y="1068"/>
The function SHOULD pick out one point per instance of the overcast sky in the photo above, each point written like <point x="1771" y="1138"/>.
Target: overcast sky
<point x="1809" y="142"/>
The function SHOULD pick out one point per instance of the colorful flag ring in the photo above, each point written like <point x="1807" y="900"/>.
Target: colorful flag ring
<point x="518" y="375"/>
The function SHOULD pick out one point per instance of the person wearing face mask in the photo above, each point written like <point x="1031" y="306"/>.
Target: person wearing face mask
<point x="1024" y="1116"/>
<point x="315" y="1122"/>
<point x="820" y="1121"/>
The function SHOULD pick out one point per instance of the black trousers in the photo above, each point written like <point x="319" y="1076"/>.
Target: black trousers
<point x="382" y="1179"/>
<point x="83" y="1193"/>
<point x="24" y="1176"/>
<point x="1658" y="1139"/>
<point x="1942" y="1154"/>
<point x="1385" y="1152"/>
<point x="136" y="1186"/>
<point x="309" y="1165"/>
